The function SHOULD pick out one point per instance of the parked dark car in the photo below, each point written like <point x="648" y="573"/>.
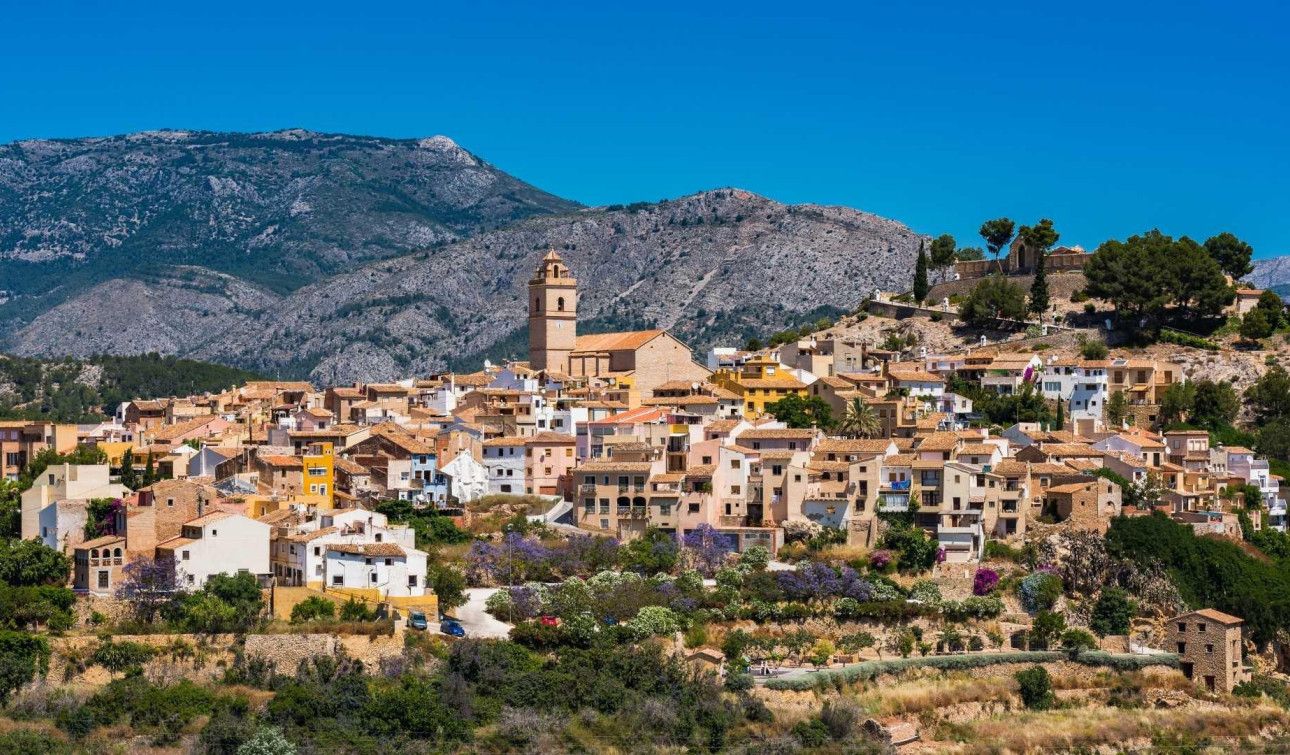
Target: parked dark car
<point x="417" y="620"/>
<point x="452" y="627"/>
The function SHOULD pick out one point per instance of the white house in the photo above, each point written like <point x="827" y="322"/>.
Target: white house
<point x="221" y="542"/>
<point x="1081" y="382"/>
<point x="393" y="570"/>
<point x="467" y="478"/>
<point x="53" y="509"/>
<point x="300" y="558"/>
<point x="504" y="460"/>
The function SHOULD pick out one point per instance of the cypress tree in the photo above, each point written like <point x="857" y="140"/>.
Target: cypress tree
<point x="1039" y="289"/>
<point x="1060" y="422"/>
<point x="128" y="476"/>
<point x="920" y="275"/>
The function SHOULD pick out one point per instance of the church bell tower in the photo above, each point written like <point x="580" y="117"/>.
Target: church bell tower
<point x="553" y="315"/>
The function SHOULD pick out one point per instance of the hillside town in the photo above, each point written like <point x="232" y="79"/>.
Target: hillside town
<point x="620" y="433"/>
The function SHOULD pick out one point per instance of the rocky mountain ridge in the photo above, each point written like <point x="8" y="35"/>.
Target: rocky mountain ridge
<point x="279" y="209"/>
<point x="714" y="267"/>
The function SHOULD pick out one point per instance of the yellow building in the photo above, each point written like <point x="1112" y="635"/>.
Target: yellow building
<point x="319" y="475"/>
<point x="761" y="382"/>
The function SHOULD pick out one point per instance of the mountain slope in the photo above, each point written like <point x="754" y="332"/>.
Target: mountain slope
<point x="1271" y="272"/>
<point x="714" y="267"/>
<point x="279" y="209"/>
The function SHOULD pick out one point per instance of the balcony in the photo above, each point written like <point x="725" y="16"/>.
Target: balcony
<point x="891" y="502"/>
<point x="737" y="521"/>
<point x="587" y="487"/>
<point x="633" y="512"/>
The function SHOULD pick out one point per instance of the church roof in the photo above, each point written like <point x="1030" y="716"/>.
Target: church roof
<point x="627" y="341"/>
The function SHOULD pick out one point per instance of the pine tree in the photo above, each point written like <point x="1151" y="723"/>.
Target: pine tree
<point x="1039" y="289"/>
<point x="920" y="275"/>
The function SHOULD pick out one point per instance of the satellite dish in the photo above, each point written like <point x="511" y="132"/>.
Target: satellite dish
<point x="694" y="386"/>
<point x="488" y="365"/>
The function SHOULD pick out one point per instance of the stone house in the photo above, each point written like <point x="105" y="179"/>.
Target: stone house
<point x="1208" y="644"/>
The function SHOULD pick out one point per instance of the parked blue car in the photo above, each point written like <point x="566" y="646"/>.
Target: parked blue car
<point x="417" y="620"/>
<point x="450" y="626"/>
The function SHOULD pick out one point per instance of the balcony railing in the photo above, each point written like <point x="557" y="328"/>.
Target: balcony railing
<point x="587" y="487"/>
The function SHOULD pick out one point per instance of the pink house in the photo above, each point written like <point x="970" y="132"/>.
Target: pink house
<point x="549" y="458"/>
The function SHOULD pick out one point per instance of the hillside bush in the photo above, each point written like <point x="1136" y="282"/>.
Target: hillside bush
<point x="1040" y="591"/>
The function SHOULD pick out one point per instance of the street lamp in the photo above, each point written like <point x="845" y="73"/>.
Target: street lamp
<point x="510" y="604"/>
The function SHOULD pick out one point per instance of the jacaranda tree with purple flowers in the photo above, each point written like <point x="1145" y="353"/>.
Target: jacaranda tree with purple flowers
<point x="149" y="585"/>
<point x="817" y="580"/>
<point x="586" y="554"/>
<point x="706" y="549"/>
<point x="514" y="560"/>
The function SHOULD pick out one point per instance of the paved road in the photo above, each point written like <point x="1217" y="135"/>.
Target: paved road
<point x="477" y="622"/>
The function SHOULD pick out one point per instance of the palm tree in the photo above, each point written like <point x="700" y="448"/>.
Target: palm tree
<point x="860" y="421"/>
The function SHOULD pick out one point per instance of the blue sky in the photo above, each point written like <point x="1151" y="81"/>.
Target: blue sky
<point x="1110" y="118"/>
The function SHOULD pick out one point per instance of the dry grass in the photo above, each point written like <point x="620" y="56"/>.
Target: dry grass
<point x="1153" y="678"/>
<point x="844" y="552"/>
<point x="520" y="503"/>
<point x="930" y="694"/>
<point x="1062" y="730"/>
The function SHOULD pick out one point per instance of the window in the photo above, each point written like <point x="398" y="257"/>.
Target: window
<point x="1182" y="626"/>
<point x="734" y="463"/>
<point x="338" y="579"/>
<point x="412" y="580"/>
<point x="103" y="581"/>
<point x="1200" y="627"/>
<point x="389" y="561"/>
<point x="1209" y="649"/>
<point x="1182" y="648"/>
<point x="185" y="555"/>
<point x="317" y="551"/>
<point x="170" y="502"/>
<point x="372" y="578"/>
<point x="214" y="533"/>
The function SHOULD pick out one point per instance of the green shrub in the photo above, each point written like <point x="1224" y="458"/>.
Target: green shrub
<point x="1078" y="639"/>
<point x="352" y="610"/>
<point x="811" y="733"/>
<point x="27" y="742"/>
<point x="974" y="607"/>
<point x="313" y="607"/>
<point x="78" y="722"/>
<point x="925" y="590"/>
<point x="1185" y="339"/>
<point x="1113" y="612"/>
<point x="22" y="657"/>
<point x="1036" y="688"/>
<point x="1040" y="591"/>
<point x="119" y="656"/>
<point x="870" y="670"/>
<point x="1260" y="685"/>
